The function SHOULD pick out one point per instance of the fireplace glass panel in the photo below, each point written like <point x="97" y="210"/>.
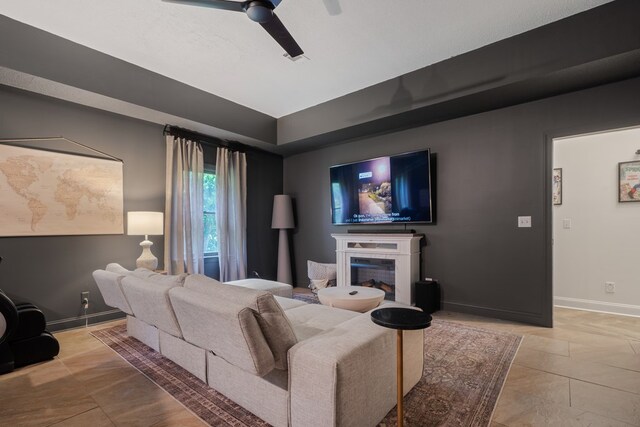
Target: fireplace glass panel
<point x="375" y="273"/>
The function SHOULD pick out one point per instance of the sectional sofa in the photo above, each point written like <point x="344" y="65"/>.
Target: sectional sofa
<point x="288" y="362"/>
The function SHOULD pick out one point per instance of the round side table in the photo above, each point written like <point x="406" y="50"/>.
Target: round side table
<point x="400" y="319"/>
<point x="354" y="298"/>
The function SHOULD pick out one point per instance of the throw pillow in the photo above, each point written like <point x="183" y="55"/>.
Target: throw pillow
<point x="317" y="284"/>
<point x="321" y="271"/>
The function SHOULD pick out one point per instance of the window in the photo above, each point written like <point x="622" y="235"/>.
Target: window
<point x="209" y="210"/>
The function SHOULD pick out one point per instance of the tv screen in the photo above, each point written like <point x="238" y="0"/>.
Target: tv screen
<point x="394" y="189"/>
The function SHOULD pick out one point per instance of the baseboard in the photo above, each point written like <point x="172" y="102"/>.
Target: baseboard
<point x="516" y="316"/>
<point x="599" y="306"/>
<point x="76" y="322"/>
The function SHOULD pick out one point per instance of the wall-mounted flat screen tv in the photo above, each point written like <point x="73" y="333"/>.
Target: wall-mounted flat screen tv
<point x="393" y="189"/>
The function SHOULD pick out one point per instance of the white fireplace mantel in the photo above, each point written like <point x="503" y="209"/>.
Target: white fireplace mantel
<point x="404" y="249"/>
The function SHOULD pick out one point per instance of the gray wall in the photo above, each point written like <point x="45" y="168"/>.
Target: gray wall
<point x="52" y="271"/>
<point x="491" y="168"/>
<point x="264" y="180"/>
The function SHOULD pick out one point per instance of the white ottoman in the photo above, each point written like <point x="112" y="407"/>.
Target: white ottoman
<point x="276" y="288"/>
<point x="363" y="300"/>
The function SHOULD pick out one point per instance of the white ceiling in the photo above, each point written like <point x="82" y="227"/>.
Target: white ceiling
<point x="228" y="55"/>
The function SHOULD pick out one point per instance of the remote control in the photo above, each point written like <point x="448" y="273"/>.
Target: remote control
<point x="353" y="292"/>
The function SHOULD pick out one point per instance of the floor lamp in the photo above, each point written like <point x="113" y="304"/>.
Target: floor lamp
<point x="282" y="220"/>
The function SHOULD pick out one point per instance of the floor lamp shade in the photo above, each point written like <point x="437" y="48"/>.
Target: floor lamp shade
<point x="282" y="212"/>
<point x="282" y="219"/>
<point x="145" y="224"/>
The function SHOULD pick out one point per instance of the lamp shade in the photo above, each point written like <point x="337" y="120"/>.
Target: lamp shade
<point x="282" y="212"/>
<point x="145" y="223"/>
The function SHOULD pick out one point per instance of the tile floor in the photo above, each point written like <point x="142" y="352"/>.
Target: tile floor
<point x="583" y="372"/>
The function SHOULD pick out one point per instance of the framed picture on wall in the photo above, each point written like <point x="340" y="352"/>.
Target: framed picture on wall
<point x="557" y="186"/>
<point x="629" y="181"/>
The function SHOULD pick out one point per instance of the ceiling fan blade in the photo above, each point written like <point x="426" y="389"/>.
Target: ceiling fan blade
<point x="275" y="3"/>
<point x="277" y="30"/>
<point x="215" y="4"/>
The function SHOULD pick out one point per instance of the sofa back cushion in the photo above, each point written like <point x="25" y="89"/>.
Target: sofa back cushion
<point x="143" y="273"/>
<point x="114" y="267"/>
<point x="274" y="324"/>
<point x="150" y="303"/>
<point x="229" y="330"/>
<point x="202" y="283"/>
<point x="111" y="289"/>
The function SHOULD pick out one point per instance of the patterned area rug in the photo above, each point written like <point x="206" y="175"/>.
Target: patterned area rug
<point x="309" y="298"/>
<point x="465" y="369"/>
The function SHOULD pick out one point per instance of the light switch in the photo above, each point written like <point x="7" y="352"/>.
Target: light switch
<point x="566" y="223"/>
<point x="524" y="222"/>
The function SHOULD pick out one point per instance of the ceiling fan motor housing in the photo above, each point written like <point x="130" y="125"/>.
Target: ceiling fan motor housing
<point x="260" y="11"/>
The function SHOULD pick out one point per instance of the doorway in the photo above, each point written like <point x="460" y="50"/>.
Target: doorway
<point x="596" y="221"/>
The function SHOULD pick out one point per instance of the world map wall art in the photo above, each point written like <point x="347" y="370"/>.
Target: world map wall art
<point x="45" y="193"/>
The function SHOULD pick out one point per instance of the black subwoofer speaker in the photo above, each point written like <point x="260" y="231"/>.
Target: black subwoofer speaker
<point x="428" y="295"/>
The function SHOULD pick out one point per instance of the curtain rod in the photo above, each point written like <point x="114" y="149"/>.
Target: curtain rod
<point x="210" y="140"/>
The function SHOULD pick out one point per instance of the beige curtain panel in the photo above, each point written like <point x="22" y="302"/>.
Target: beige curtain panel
<point x="231" y="213"/>
<point x="184" y="224"/>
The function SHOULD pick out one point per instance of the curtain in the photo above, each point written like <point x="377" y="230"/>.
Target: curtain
<point x="231" y="213"/>
<point x="184" y="224"/>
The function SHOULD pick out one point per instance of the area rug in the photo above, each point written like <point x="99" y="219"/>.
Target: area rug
<point x="465" y="368"/>
<point x="309" y="298"/>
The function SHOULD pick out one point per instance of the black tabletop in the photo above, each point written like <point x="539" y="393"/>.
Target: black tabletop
<point x="401" y="318"/>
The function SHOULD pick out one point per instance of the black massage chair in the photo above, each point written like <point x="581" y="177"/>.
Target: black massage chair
<point x="23" y="339"/>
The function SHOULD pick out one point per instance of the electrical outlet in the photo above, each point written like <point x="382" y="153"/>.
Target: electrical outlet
<point x="84" y="298"/>
<point x="566" y="223"/>
<point x="610" y="287"/>
<point x="524" y="221"/>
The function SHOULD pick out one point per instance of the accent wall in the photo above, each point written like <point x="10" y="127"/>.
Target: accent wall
<point x="491" y="168"/>
<point x="52" y="271"/>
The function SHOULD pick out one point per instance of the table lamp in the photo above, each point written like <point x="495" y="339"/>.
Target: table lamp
<point x="145" y="224"/>
<point x="282" y="219"/>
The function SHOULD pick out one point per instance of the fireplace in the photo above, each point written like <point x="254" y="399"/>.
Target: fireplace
<point x="390" y="262"/>
<point x="375" y="273"/>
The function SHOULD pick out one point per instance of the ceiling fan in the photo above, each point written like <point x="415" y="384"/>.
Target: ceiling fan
<point x="260" y="11"/>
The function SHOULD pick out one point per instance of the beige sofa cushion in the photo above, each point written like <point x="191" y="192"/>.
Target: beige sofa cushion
<point x="114" y="267"/>
<point x="311" y="319"/>
<point x="274" y="324"/>
<point x="150" y="303"/>
<point x="144" y="273"/>
<point x="111" y="289"/>
<point x="229" y="330"/>
<point x="202" y="283"/>
<point x="288" y="303"/>
<point x="275" y="288"/>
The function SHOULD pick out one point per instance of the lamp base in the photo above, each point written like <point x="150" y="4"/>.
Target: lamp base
<point x="284" y="261"/>
<point x="147" y="259"/>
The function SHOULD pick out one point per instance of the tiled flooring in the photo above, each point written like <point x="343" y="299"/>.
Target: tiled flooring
<point x="583" y="372"/>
